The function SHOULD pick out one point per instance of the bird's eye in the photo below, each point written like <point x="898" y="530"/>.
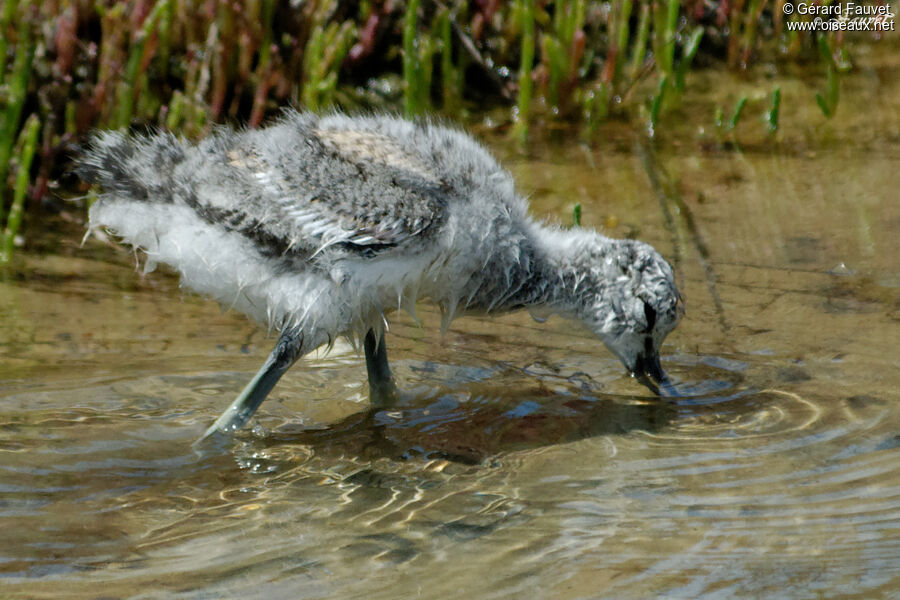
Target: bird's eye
<point x="650" y="314"/>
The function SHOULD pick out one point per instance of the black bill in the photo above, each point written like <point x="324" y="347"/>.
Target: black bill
<point x="648" y="371"/>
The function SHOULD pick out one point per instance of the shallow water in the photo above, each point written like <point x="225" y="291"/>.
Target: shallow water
<point x="521" y="462"/>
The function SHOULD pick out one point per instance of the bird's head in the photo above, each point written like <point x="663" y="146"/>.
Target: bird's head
<point x="632" y="304"/>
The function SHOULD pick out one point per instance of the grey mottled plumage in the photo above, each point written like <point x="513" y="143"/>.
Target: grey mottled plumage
<point x="323" y="225"/>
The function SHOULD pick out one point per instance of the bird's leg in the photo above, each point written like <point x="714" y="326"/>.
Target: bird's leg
<point x="382" y="390"/>
<point x="286" y="352"/>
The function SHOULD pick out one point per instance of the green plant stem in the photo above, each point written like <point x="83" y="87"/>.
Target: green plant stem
<point x="132" y="67"/>
<point x="828" y="103"/>
<point x="324" y="53"/>
<point x="773" y="113"/>
<point x="690" y="50"/>
<point x="265" y="46"/>
<point x="15" y="100"/>
<point x="639" y="49"/>
<point x="176" y="111"/>
<point x="312" y="62"/>
<point x="411" y="93"/>
<point x="263" y="67"/>
<point x="738" y="111"/>
<point x="164" y="32"/>
<point x="450" y="82"/>
<point x="622" y="19"/>
<point x="527" y="63"/>
<point x="552" y="49"/>
<point x="665" y="19"/>
<point x="427" y="45"/>
<point x="656" y="103"/>
<point x="671" y="24"/>
<point x="9" y="10"/>
<point x="28" y="143"/>
<point x="751" y="17"/>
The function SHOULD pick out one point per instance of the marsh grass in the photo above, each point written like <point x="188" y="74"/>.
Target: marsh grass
<point x="523" y="107"/>
<point x="15" y="96"/>
<point x="25" y="150"/>
<point x="189" y="64"/>
<point x="829" y="100"/>
<point x="772" y="115"/>
<point x="326" y="49"/>
<point x="766" y="107"/>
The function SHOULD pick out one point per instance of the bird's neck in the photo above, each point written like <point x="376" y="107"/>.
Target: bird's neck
<point x="555" y="273"/>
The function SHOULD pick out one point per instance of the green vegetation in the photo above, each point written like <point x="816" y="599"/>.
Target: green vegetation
<point x="325" y="51"/>
<point x="729" y="126"/>
<point x="738" y="111"/>
<point x="828" y="102"/>
<point x="15" y="91"/>
<point x="770" y="117"/>
<point x="772" y="114"/>
<point x="187" y="65"/>
<point x="25" y="153"/>
<point x="526" y="15"/>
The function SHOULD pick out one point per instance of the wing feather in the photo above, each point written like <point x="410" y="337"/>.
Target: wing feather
<point x="361" y="191"/>
<point x="295" y="188"/>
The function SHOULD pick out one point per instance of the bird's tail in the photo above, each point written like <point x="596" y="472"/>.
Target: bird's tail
<point x="130" y="168"/>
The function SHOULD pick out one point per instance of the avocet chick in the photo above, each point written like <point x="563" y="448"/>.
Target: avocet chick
<point x="321" y="226"/>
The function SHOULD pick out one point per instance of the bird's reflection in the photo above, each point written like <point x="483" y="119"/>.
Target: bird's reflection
<point x="471" y="425"/>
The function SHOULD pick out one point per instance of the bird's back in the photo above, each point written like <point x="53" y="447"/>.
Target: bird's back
<point x="239" y="211"/>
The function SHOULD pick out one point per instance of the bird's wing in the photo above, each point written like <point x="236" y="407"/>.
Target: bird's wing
<point x="360" y="190"/>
